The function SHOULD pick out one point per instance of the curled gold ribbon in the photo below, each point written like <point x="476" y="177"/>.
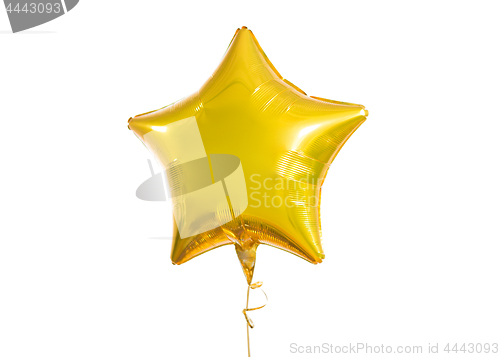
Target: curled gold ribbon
<point x="250" y="323"/>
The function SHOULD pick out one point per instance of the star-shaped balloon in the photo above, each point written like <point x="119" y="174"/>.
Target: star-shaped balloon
<point x="246" y="156"/>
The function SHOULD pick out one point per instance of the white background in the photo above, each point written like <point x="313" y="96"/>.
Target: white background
<point x="410" y="208"/>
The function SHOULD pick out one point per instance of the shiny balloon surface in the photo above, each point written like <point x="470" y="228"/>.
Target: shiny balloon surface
<point x="246" y="156"/>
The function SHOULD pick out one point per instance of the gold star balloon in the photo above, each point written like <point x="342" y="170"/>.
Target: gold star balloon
<point x="245" y="158"/>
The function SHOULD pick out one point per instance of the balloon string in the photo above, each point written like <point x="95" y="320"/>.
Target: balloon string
<point x="250" y="323"/>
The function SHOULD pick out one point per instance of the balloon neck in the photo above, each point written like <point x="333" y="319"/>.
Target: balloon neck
<point x="246" y="255"/>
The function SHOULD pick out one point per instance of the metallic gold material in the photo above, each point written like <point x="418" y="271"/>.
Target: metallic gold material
<point x="246" y="156"/>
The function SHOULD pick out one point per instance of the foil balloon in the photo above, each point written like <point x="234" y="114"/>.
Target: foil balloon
<point x="245" y="158"/>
